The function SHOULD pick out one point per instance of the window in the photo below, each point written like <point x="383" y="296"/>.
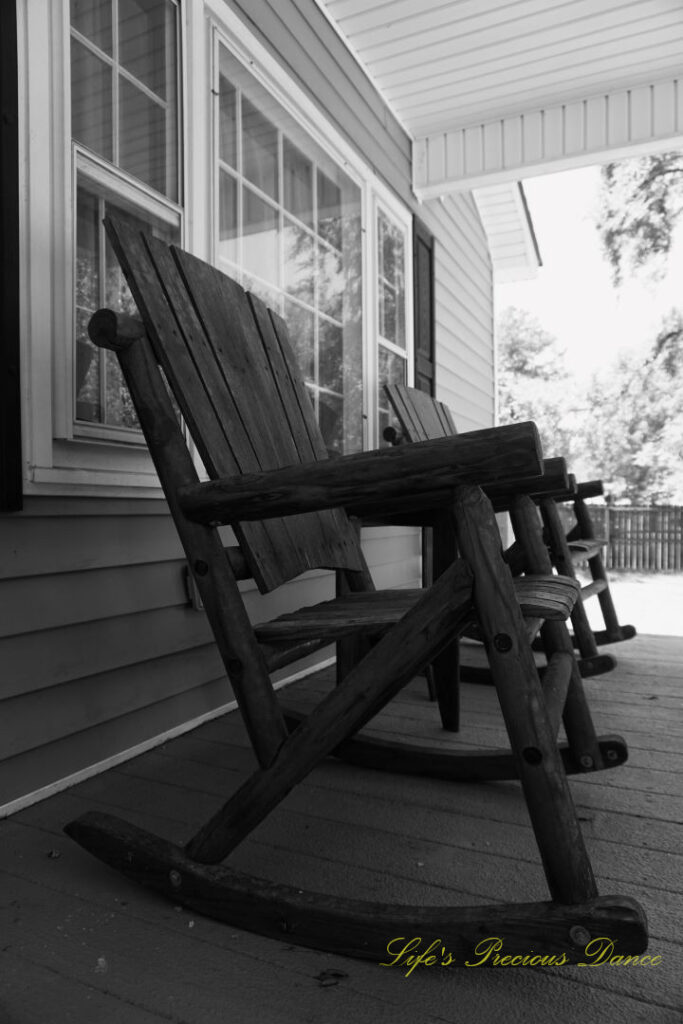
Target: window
<point x="392" y="354"/>
<point x="255" y="178"/>
<point x="289" y="226"/>
<point x="124" y="127"/>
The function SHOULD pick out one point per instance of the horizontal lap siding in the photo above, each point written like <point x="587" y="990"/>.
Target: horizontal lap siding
<point x="99" y="646"/>
<point x="463" y="311"/>
<point x="100" y="649"/>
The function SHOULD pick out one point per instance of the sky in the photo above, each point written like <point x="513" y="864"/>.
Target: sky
<point x="573" y="296"/>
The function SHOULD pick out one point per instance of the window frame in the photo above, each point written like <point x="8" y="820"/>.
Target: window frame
<point x="395" y="211"/>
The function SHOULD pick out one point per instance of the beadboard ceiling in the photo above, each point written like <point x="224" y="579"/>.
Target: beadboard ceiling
<point x="445" y="64"/>
<point x="494" y="91"/>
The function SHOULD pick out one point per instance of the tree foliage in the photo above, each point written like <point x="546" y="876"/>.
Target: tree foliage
<point x="533" y="382"/>
<point x="624" y="426"/>
<point x="635" y="440"/>
<point x="640" y="202"/>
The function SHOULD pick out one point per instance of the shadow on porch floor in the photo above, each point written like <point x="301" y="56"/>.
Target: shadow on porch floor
<point x="81" y="944"/>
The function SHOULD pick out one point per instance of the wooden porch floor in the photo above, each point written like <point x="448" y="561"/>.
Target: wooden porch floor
<point x="79" y="943"/>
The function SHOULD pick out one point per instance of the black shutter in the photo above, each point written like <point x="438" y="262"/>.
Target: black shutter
<point x="423" y="287"/>
<point x="10" y="395"/>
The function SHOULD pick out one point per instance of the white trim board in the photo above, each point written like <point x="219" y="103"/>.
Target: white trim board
<point x="582" y="133"/>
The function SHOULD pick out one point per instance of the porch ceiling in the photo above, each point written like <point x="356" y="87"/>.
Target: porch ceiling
<point x="493" y="90"/>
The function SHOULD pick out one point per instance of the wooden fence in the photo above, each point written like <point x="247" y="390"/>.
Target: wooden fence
<point x="639" y="539"/>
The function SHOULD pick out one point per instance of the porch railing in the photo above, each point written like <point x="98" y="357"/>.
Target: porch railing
<point x="640" y="539"/>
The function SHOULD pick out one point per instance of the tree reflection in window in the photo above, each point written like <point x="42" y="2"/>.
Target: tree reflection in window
<point x="290" y="230"/>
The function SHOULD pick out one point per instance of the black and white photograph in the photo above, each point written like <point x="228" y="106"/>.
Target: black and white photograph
<point x="341" y="511"/>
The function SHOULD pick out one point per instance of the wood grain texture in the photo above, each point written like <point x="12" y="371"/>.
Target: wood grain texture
<point x="478" y="457"/>
<point x="440" y="614"/>
<point x="567" y="866"/>
<point x="352" y="927"/>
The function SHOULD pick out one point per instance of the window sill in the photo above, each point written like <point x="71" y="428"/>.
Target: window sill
<point x="95" y="467"/>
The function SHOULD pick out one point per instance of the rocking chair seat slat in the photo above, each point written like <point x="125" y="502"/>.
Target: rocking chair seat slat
<point x="542" y="597"/>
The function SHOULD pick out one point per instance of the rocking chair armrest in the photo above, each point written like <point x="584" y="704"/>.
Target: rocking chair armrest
<point x="479" y="457"/>
<point x="420" y="509"/>
<point x="555" y="482"/>
<point x="590" y="489"/>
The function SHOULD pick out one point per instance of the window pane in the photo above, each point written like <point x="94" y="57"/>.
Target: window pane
<point x="332" y="282"/>
<point x="91" y="100"/>
<point x="101" y="395"/>
<point x="92" y="18"/>
<point x="147" y="43"/>
<point x="300" y="326"/>
<point x="228" y="248"/>
<point x="299" y="262"/>
<point x="260" y="246"/>
<point x="390" y="258"/>
<point x="315" y="265"/>
<point x="329" y="210"/>
<point x="331" y="419"/>
<point x="259" y="141"/>
<point x="298" y="183"/>
<point x="391" y="369"/>
<point x="87" y="382"/>
<point x="87" y="262"/>
<point x="388" y="322"/>
<point x="87" y="369"/>
<point x="331" y="355"/>
<point x="144" y="147"/>
<point x="227" y="107"/>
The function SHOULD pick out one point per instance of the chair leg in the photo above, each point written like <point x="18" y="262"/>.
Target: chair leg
<point x="352" y="650"/>
<point x="446" y="666"/>
<point x="614" y="631"/>
<point x="591" y="662"/>
<point x="583" y="741"/>
<point x="553" y="816"/>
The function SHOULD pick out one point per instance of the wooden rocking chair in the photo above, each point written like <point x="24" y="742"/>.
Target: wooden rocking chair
<point x="422" y="417"/>
<point x="232" y="372"/>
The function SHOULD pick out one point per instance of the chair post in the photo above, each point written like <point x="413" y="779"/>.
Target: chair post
<point x="597" y="570"/>
<point x="578" y="722"/>
<point x="585" y="637"/>
<point x="351" y="650"/>
<point x="446" y="666"/>
<point x="553" y="816"/>
<point x="210" y="566"/>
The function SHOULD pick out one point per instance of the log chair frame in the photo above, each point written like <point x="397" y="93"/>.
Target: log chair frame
<point x="478" y="583"/>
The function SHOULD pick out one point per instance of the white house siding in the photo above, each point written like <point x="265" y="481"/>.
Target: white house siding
<point x="464" y="311"/>
<point x="101" y="651"/>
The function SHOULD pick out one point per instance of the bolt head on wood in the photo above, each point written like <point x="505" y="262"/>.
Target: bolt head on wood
<point x="579" y="935"/>
<point x="175" y="879"/>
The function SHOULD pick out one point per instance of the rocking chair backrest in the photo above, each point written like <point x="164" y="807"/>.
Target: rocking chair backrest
<point x="235" y="379"/>
<point x="422" y="418"/>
